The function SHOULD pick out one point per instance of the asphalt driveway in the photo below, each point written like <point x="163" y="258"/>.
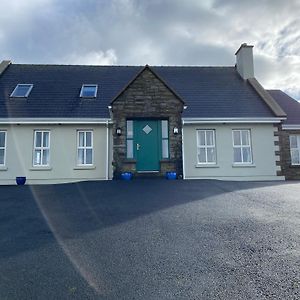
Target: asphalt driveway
<point x="150" y="239"/>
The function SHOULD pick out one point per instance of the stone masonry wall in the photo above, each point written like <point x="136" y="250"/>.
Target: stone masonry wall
<point x="287" y="170"/>
<point x="147" y="97"/>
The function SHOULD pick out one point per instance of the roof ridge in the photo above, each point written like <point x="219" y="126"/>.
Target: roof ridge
<point x="124" y="66"/>
<point x="76" y="65"/>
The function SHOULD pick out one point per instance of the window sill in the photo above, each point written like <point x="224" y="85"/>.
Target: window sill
<point x="207" y="166"/>
<point x="40" y="168"/>
<point x="243" y="165"/>
<point x="3" y="168"/>
<point x="295" y="166"/>
<point x="129" y="160"/>
<point x="84" y="168"/>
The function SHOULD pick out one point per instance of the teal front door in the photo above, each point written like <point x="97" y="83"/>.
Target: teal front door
<point x="146" y="143"/>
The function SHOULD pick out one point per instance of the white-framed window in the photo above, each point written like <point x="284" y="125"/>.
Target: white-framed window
<point x="89" y="91"/>
<point x="129" y="139"/>
<point x="295" y="149"/>
<point x="85" y="148"/>
<point x="165" y="138"/>
<point x="22" y="90"/>
<point x="242" y="152"/>
<point x="2" y="148"/>
<point x="206" y="146"/>
<point x="41" y="148"/>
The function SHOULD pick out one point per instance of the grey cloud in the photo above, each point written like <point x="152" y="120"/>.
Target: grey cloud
<point x="159" y="32"/>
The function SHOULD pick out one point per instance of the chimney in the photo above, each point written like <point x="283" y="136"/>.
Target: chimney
<point x="3" y="65"/>
<point x="244" y="61"/>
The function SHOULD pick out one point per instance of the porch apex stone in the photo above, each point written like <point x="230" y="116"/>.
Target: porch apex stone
<point x="147" y="97"/>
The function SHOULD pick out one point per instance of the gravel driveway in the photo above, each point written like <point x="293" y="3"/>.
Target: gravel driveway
<point x="150" y="239"/>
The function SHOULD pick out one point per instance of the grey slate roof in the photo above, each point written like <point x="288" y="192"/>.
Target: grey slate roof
<point x="207" y="91"/>
<point x="212" y="92"/>
<point x="289" y="105"/>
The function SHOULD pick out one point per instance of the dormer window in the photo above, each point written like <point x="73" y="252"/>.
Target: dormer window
<point x="89" y="91"/>
<point x="22" y="90"/>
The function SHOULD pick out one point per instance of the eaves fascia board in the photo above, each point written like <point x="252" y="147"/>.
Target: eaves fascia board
<point x="55" y="121"/>
<point x="230" y="120"/>
<point x="291" y="127"/>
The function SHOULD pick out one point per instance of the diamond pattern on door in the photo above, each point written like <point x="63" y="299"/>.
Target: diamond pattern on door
<point x="147" y="129"/>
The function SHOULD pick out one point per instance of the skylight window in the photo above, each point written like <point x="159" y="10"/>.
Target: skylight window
<point x="89" y="91"/>
<point x="22" y="90"/>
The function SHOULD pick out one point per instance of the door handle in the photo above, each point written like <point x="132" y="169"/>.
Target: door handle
<point x="138" y="147"/>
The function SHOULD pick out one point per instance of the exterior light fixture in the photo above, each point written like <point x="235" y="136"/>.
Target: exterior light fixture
<point x="175" y="130"/>
<point x="119" y="131"/>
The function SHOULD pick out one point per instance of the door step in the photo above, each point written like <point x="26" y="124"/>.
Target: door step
<point x="153" y="175"/>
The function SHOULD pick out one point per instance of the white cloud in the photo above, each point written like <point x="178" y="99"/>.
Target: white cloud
<point x="93" y="58"/>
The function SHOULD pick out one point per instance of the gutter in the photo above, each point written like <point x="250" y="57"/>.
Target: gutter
<point x="56" y="121"/>
<point x="231" y="120"/>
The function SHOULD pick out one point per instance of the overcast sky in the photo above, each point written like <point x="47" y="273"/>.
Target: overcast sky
<point x="156" y="32"/>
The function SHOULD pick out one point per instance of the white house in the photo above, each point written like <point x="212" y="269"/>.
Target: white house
<point x="67" y="123"/>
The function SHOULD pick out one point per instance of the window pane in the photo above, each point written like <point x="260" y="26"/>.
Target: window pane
<point x="209" y="138"/>
<point x="38" y="139"/>
<point x="37" y="157"/>
<point x="236" y="138"/>
<point x="165" y="149"/>
<point x="211" y="155"/>
<point x="88" y="91"/>
<point x="237" y="155"/>
<point x="45" y="158"/>
<point x="88" y="139"/>
<point x="295" y="157"/>
<point x="81" y="139"/>
<point x="89" y="156"/>
<point x="201" y="139"/>
<point x="80" y="157"/>
<point x="293" y="141"/>
<point x="245" y="138"/>
<point x="246" y="155"/>
<point x="129" y="129"/>
<point x="129" y="148"/>
<point x="21" y="90"/>
<point x="1" y="156"/>
<point x="201" y="155"/>
<point x="2" y="139"/>
<point x="46" y="139"/>
<point x="164" y="129"/>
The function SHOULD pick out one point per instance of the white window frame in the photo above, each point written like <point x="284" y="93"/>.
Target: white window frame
<point x="165" y="139"/>
<point x="89" y="85"/>
<point x="242" y="146"/>
<point x="4" y="148"/>
<point x="22" y="84"/>
<point x="42" y="148"/>
<point x="129" y="139"/>
<point x="206" y="147"/>
<point x="84" y="147"/>
<point x="298" y="148"/>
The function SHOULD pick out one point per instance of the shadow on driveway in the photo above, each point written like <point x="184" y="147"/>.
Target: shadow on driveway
<point x="29" y="215"/>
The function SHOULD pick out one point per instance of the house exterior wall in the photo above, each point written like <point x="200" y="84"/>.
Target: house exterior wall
<point x="147" y="98"/>
<point x="63" y="148"/>
<point x="263" y="153"/>
<point x="287" y="169"/>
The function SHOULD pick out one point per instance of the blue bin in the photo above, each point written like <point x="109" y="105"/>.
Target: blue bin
<point x="20" y="180"/>
<point x="171" y="175"/>
<point x="126" y="176"/>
